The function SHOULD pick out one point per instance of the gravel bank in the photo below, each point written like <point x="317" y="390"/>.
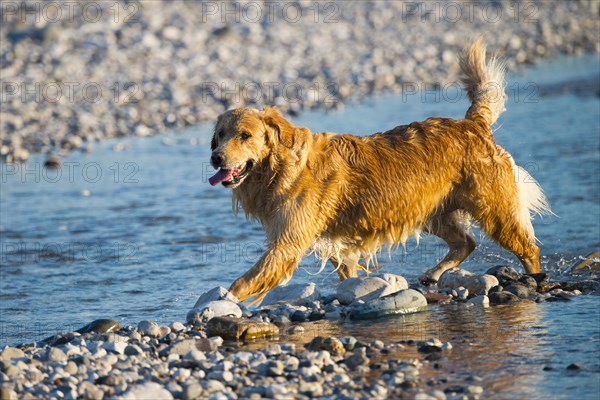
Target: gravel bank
<point x="73" y="74"/>
<point x="271" y="352"/>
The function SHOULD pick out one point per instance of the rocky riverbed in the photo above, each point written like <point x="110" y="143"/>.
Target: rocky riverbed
<point x="76" y="73"/>
<point x="226" y="351"/>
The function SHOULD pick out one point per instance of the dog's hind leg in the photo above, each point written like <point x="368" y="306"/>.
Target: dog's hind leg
<point x="448" y="227"/>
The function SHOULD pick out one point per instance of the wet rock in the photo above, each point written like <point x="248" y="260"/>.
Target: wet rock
<point x="218" y="308"/>
<point x="434" y="298"/>
<point x="519" y="290"/>
<point x="236" y="329"/>
<point x="481" y="301"/>
<point x="529" y="282"/>
<point x="504" y="274"/>
<point x="475" y="284"/>
<point x="10" y="353"/>
<point x="217" y="302"/>
<point x="497" y="298"/>
<point x="404" y="302"/>
<point x="545" y="287"/>
<point x="330" y="344"/>
<point x="369" y="288"/>
<point x="101" y="326"/>
<point x="149" y="328"/>
<point x="574" y="367"/>
<point x="296" y="294"/>
<point x="585" y="286"/>
<point x="431" y="346"/>
<point x="52" y="162"/>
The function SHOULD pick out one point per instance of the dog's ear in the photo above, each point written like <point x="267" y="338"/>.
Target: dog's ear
<point x="284" y="130"/>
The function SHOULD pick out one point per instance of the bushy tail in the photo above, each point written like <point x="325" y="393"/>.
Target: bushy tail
<point x="483" y="82"/>
<point x="532" y="199"/>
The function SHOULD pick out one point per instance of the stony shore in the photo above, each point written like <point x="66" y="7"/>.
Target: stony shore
<point x="76" y="74"/>
<point x="225" y="351"/>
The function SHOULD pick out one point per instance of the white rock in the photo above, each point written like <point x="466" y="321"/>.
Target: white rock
<point x="369" y="288"/>
<point x="482" y="301"/>
<point x="149" y="328"/>
<point x="217" y="308"/>
<point x="296" y="294"/>
<point x="404" y="302"/>
<point x="217" y="302"/>
<point x="218" y="293"/>
<point x="397" y="281"/>
<point x="476" y="284"/>
<point x="147" y="390"/>
<point x="454" y="278"/>
<point x="481" y="284"/>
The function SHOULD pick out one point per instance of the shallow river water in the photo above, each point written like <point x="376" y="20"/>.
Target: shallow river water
<point x="139" y="233"/>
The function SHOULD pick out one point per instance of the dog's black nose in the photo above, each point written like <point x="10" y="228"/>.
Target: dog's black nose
<point x="216" y="159"/>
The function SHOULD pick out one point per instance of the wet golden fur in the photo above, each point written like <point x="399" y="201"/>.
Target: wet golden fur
<point x="346" y="196"/>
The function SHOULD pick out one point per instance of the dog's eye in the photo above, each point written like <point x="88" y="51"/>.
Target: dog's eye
<point x="245" y="136"/>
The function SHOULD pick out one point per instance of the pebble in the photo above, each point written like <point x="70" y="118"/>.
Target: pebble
<point x="54" y="354"/>
<point x="10" y="353"/>
<point x="149" y="328"/>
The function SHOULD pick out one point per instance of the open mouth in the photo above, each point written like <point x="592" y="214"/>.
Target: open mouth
<point x="229" y="177"/>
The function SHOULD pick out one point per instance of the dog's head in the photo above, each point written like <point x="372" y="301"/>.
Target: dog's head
<point x="245" y="137"/>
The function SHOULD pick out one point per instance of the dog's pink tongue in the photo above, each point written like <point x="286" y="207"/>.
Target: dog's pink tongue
<point x="221" y="176"/>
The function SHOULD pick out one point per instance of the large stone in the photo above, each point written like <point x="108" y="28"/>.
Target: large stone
<point x="218" y="293"/>
<point x="217" y="302"/>
<point x="503" y="298"/>
<point x="297" y="294"/>
<point x="369" y="288"/>
<point x="476" y="284"/>
<point x="101" y="326"/>
<point x="240" y="328"/>
<point x="404" y="302"/>
<point x="504" y="274"/>
<point x="218" y="308"/>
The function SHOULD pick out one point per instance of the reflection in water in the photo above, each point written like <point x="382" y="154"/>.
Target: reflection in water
<point x="503" y="348"/>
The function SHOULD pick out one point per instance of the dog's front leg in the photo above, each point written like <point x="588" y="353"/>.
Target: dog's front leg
<point x="279" y="262"/>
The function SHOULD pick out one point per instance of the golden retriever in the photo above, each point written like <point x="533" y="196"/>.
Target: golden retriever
<point x="346" y="196"/>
